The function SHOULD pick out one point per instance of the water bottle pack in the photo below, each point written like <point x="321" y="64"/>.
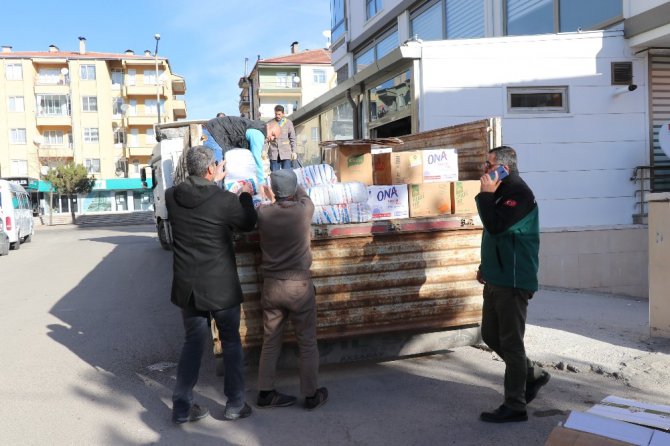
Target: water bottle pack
<point x="315" y="175"/>
<point x="338" y="193"/>
<point x="341" y="213"/>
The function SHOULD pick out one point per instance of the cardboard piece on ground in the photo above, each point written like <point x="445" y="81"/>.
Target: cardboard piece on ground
<point x="388" y="202"/>
<point x="644" y="414"/>
<point x="427" y="200"/>
<point x="463" y="195"/>
<point x="562" y="436"/>
<point x="607" y="427"/>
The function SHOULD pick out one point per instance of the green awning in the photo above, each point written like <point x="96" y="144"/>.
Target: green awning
<point x="108" y="184"/>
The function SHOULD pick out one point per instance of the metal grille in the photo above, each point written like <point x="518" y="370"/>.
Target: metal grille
<point x="660" y="109"/>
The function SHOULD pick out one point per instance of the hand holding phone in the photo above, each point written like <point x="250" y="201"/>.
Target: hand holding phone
<point x="502" y="173"/>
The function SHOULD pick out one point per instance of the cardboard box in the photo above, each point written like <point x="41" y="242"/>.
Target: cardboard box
<point x="388" y="202"/>
<point x="440" y="165"/>
<point x="352" y="163"/>
<point x="398" y="168"/>
<point x="463" y="195"/>
<point x="562" y="436"/>
<point x="431" y="199"/>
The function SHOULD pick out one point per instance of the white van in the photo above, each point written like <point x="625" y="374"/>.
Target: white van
<point x="18" y="214"/>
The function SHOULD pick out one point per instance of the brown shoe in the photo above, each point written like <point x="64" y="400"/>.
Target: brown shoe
<point x="319" y="399"/>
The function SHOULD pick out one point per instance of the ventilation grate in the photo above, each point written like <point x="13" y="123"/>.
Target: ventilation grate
<point x="622" y="73"/>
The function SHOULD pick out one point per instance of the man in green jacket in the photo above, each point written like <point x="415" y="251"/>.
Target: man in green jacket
<point x="508" y="270"/>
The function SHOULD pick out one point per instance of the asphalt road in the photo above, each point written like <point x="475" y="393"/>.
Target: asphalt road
<point x="90" y="340"/>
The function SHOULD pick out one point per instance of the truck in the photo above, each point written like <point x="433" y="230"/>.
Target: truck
<point x="385" y="289"/>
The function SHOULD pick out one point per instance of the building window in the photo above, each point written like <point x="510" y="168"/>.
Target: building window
<point x="379" y="48"/>
<point x="15" y="104"/>
<point x="17" y="136"/>
<point x="117" y="109"/>
<point x="87" y="72"/>
<point x="53" y="137"/>
<point x="133" y="138"/>
<point x="524" y="17"/>
<point x="390" y="98"/>
<point x="319" y="76"/>
<point x="91" y="134"/>
<point x="92" y="165"/>
<point x="149" y="77"/>
<point x="315" y="133"/>
<point x="89" y="103"/>
<point x="426" y="22"/>
<point x="343" y="73"/>
<point x="130" y="77"/>
<point x="14" y="72"/>
<point x="337" y="23"/>
<point x="136" y="167"/>
<point x="465" y="19"/>
<point x="372" y="7"/>
<point x="537" y="100"/>
<point x="151" y="136"/>
<point x="53" y="105"/>
<point x="119" y="136"/>
<point x="19" y="168"/>
<point x="49" y="76"/>
<point x="150" y="107"/>
<point x="117" y="76"/>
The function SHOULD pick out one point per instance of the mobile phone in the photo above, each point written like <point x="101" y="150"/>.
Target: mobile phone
<point x="502" y="173"/>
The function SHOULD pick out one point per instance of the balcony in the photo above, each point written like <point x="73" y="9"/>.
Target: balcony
<point x="47" y="120"/>
<point x="285" y="89"/>
<point x="143" y="90"/>
<point x="179" y="109"/>
<point x="140" y="151"/>
<point x="46" y="150"/>
<point x="142" y="120"/>
<point x="52" y="85"/>
<point x="178" y="85"/>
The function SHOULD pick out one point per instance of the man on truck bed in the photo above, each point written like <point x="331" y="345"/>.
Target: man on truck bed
<point x="508" y="270"/>
<point x="205" y="280"/>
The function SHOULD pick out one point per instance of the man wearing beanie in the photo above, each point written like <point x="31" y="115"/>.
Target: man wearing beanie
<point x="288" y="293"/>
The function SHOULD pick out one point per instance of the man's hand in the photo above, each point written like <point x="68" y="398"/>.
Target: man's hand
<point x="247" y="187"/>
<point x="480" y="279"/>
<point x="220" y="172"/>
<point x="488" y="184"/>
<point x="266" y="192"/>
<point x="294" y="156"/>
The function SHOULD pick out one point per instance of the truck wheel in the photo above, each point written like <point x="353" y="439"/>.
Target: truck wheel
<point x="16" y="245"/>
<point x="162" y="237"/>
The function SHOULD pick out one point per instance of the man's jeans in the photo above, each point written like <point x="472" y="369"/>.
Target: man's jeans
<point x="197" y="336"/>
<point x="280" y="164"/>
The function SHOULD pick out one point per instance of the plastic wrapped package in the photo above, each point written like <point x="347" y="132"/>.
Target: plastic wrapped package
<point x="315" y="175"/>
<point x="338" y="193"/>
<point x="240" y="165"/>
<point x="235" y="186"/>
<point x="341" y="213"/>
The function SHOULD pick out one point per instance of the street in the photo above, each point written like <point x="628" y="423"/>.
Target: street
<point x="91" y="340"/>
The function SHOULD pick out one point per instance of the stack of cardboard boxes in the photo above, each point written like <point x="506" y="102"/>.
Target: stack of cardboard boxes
<point x="421" y="183"/>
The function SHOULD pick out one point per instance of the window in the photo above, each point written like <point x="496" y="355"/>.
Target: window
<point x="14" y="72"/>
<point x="133" y="138"/>
<point x="53" y="137"/>
<point x="19" y="168"/>
<point x="136" y="167"/>
<point x="523" y="17"/>
<point x="15" y="104"/>
<point x="465" y="19"/>
<point x="319" y="76"/>
<point x="49" y="76"/>
<point x="281" y="80"/>
<point x="91" y="134"/>
<point x="315" y="134"/>
<point x="150" y="107"/>
<point x="17" y="136"/>
<point x="337" y="24"/>
<point x="343" y="73"/>
<point x="119" y="136"/>
<point x="92" y="165"/>
<point x="381" y="46"/>
<point x="149" y="77"/>
<point x="151" y="136"/>
<point x="87" y="72"/>
<point x="130" y="77"/>
<point x="427" y="22"/>
<point x="364" y="59"/>
<point x="117" y="76"/>
<point x="537" y="100"/>
<point x="89" y="103"/>
<point x="372" y="7"/>
<point x="387" y="44"/>
<point x="392" y="97"/>
<point x="53" y="105"/>
<point x="117" y="109"/>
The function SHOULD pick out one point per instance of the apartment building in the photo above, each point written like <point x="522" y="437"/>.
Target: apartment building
<point x="290" y="80"/>
<point x="581" y="89"/>
<point x="95" y="109"/>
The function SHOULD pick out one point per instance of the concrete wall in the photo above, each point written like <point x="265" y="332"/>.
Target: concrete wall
<point x="605" y="260"/>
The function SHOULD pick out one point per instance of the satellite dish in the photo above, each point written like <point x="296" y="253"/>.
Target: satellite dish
<point x="664" y="138"/>
<point x="124" y="108"/>
<point x="38" y="140"/>
<point x="64" y="71"/>
<point x="44" y="170"/>
<point x="296" y="79"/>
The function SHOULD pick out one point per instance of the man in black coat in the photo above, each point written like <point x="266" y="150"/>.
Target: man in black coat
<point x="205" y="281"/>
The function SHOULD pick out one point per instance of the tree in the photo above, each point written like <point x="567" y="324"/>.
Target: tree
<point x="70" y="179"/>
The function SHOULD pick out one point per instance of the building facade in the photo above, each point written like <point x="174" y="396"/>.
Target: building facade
<point x="94" y="109"/>
<point x="291" y="81"/>
<point x="580" y="88"/>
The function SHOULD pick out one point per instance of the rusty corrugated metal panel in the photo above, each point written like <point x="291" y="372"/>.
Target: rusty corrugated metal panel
<point x="381" y="282"/>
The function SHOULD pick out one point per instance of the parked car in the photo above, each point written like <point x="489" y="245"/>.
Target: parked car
<point x="4" y="238"/>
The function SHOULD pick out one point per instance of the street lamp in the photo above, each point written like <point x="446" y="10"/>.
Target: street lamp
<point x="158" y="91"/>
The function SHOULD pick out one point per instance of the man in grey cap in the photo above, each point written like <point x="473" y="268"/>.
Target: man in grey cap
<point x="288" y="293"/>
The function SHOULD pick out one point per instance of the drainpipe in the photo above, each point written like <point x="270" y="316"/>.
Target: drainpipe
<point x="356" y="123"/>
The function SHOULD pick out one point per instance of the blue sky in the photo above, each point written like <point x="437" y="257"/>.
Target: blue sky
<point x="206" y="43"/>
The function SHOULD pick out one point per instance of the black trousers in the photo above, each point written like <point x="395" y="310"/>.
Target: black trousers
<point x="503" y="329"/>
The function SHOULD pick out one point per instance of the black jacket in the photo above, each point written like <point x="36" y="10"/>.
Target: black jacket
<point x="229" y="132"/>
<point x="203" y="217"/>
<point x="511" y="202"/>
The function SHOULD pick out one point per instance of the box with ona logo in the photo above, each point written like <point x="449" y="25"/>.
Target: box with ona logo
<point x="388" y="202"/>
<point x="440" y="165"/>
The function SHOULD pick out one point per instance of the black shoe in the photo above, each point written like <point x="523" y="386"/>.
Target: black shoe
<point x="319" y="399"/>
<point x="235" y="414"/>
<point x="275" y="399"/>
<point x="534" y="387"/>
<point x="196" y="413"/>
<point x="503" y="414"/>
